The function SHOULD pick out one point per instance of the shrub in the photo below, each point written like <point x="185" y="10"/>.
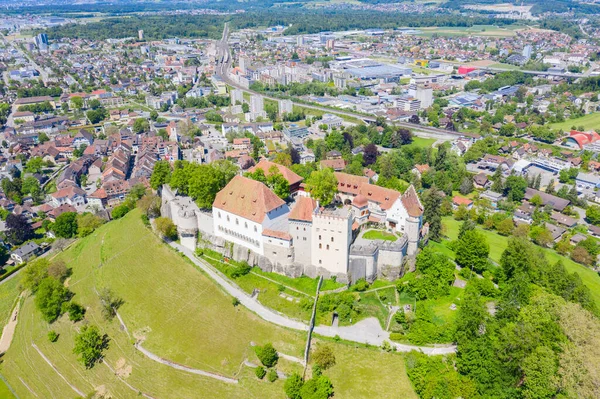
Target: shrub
<point x="360" y="285"/>
<point x="235" y="301"/>
<point x="145" y="219"/>
<point x="260" y="372"/>
<point x="272" y="377"/>
<point x="239" y="270"/>
<point x="52" y="336"/>
<point x="267" y="355"/>
<point x="166" y="228"/>
<point x="396" y="336"/>
<point x="89" y="345"/>
<point x="293" y="386"/>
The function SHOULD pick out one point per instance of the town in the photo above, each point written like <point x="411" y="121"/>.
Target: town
<point x="432" y="190"/>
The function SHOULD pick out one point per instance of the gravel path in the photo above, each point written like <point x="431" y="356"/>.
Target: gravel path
<point x="366" y="331"/>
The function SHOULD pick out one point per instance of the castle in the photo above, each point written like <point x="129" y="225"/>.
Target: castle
<point x="249" y="222"/>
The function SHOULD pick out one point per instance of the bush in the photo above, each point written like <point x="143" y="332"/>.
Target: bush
<point x="239" y="270"/>
<point x="267" y="355"/>
<point x="272" y="377"/>
<point x="145" y="219"/>
<point x="260" y="372"/>
<point x="396" y="336"/>
<point x="360" y="285"/>
<point x="166" y="228"/>
<point x="52" y="336"/>
<point x="235" y="301"/>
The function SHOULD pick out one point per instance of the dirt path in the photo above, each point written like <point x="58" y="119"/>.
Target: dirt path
<point x="73" y="387"/>
<point x="9" y="329"/>
<point x="181" y="367"/>
<point x="126" y="383"/>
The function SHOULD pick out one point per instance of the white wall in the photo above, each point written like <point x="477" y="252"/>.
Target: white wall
<point x="238" y="230"/>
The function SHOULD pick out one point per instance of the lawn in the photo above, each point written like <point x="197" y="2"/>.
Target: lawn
<point x="5" y="393"/>
<point x="305" y="284"/>
<point x="499" y="243"/>
<point x="379" y="235"/>
<point x="422" y="142"/>
<point x="589" y="122"/>
<point x="367" y="373"/>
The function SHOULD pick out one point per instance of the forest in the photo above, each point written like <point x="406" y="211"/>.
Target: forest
<point x="303" y="22"/>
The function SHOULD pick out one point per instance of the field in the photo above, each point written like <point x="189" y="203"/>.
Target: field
<point x="589" y="122"/>
<point x="179" y="314"/>
<point x="9" y="291"/>
<point x="476" y="30"/>
<point x="499" y="243"/>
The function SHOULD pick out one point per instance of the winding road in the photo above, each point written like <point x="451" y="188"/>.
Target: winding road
<point x="366" y="331"/>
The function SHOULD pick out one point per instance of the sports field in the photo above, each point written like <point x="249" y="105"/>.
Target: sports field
<point x="589" y="122"/>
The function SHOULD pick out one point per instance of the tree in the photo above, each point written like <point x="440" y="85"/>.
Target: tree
<point x="581" y="255"/>
<point x="514" y="188"/>
<point x="57" y="270"/>
<point x="466" y="186"/>
<point x="166" y="228"/>
<point x="150" y="205"/>
<point x="435" y="276"/>
<point x="153" y="115"/>
<point x="432" y="201"/>
<point x="120" y="211"/>
<point x="323" y="357"/>
<point x="260" y="372"/>
<point x="541" y="235"/>
<point x="293" y="386"/>
<point x="370" y="154"/>
<point x="536" y="200"/>
<point x="18" y="229"/>
<point x="87" y="223"/>
<point x="34" y="273"/>
<point x="322" y="186"/>
<point x="65" y="225"/>
<point x="506" y="227"/>
<point x="592" y="214"/>
<point x="110" y="303"/>
<point x="161" y="174"/>
<point x="272" y="376"/>
<point x="141" y="125"/>
<point x="472" y="251"/>
<point x="318" y="387"/>
<point x="49" y="297"/>
<point x="34" y="165"/>
<point x="267" y="355"/>
<point x="31" y="186"/>
<point x="75" y="310"/>
<point x="245" y="108"/>
<point x="77" y="103"/>
<point x="89" y="345"/>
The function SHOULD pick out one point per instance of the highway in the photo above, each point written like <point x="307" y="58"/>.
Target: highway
<point x="222" y="71"/>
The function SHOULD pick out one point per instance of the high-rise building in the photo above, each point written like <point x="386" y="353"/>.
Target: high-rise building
<point x="285" y="107"/>
<point x="257" y="108"/>
<point x="141" y="34"/>
<point x="244" y="64"/>
<point x="300" y="40"/>
<point x="330" y="45"/>
<point x="527" y="51"/>
<point x="423" y="93"/>
<point x="41" y="39"/>
<point x="237" y="96"/>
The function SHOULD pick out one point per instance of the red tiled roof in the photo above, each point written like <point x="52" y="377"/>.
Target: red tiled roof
<point x="461" y="201"/>
<point x="303" y="209"/>
<point x="277" y="234"/>
<point x="247" y="198"/>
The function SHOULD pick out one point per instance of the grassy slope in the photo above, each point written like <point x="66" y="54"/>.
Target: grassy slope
<point x="498" y="244"/>
<point x="183" y="316"/>
<point x="589" y="122"/>
<point x="9" y="291"/>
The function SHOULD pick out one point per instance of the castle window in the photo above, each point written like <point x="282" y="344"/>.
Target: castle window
<point x="219" y="213"/>
<point x="255" y="230"/>
<point x="246" y="225"/>
<point x="320" y="261"/>
<point x="228" y="218"/>
<point x="331" y="239"/>
<point x="237" y="221"/>
<point x="319" y="236"/>
<point x="327" y="246"/>
<point x="320" y="246"/>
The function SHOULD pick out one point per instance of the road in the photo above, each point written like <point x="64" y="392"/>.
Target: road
<point x="222" y="71"/>
<point x="366" y="331"/>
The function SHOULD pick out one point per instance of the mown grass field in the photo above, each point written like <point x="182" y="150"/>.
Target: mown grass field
<point x="180" y="314"/>
<point x="589" y="122"/>
<point x="499" y="243"/>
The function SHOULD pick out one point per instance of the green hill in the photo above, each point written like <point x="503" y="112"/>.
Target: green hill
<point x="180" y="315"/>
